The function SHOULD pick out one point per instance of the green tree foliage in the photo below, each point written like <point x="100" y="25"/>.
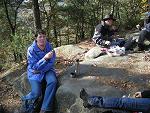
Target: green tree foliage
<point x="4" y="29"/>
<point x="11" y="8"/>
<point x="20" y="44"/>
<point x="65" y="21"/>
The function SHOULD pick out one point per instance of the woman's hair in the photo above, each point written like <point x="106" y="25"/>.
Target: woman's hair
<point x="40" y="31"/>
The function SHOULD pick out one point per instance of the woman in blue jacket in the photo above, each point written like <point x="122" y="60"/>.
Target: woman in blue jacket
<point x="41" y="60"/>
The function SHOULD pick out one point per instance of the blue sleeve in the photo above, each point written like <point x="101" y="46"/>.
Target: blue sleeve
<point x="50" y="63"/>
<point x="33" y="61"/>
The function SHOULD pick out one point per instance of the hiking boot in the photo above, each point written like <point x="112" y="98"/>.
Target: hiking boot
<point x="28" y="106"/>
<point x="84" y="96"/>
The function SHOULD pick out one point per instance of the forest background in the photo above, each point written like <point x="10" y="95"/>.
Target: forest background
<point x="65" y="22"/>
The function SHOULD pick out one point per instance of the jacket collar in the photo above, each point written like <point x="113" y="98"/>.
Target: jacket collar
<point x="36" y="48"/>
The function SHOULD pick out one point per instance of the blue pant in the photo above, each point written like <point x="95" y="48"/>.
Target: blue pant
<point x="129" y="104"/>
<point x="36" y="90"/>
<point x="118" y="41"/>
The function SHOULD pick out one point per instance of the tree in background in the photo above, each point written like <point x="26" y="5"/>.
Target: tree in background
<point x="36" y="12"/>
<point x="11" y="10"/>
<point x="65" y="21"/>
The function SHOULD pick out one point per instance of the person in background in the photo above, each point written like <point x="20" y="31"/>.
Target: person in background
<point x="144" y="34"/>
<point x="104" y="33"/>
<point x="140" y="102"/>
<point x="41" y="60"/>
<point x="105" y="38"/>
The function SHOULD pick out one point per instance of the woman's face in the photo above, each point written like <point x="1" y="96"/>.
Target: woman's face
<point x="41" y="39"/>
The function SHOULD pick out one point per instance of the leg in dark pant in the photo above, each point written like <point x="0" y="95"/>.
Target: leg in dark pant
<point x="131" y="104"/>
<point x="96" y="101"/>
<point x="130" y="44"/>
<point x="143" y="36"/>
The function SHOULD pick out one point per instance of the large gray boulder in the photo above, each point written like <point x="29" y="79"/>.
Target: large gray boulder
<point x="93" y="53"/>
<point x="133" y="34"/>
<point x="69" y="52"/>
<point x="17" y="77"/>
<point x="103" y="76"/>
<point x="12" y="74"/>
<point x="67" y="96"/>
<point x="22" y="85"/>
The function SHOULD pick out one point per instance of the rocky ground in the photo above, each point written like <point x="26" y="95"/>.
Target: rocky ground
<point x="10" y="100"/>
<point x="8" y="97"/>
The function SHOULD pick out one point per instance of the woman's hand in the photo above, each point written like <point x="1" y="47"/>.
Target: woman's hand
<point x="107" y="42"/>
<point x="138" y="95"/>
<point x="48" y="55"/>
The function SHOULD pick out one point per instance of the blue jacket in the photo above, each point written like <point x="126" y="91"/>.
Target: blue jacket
<point x="37" y="65"/>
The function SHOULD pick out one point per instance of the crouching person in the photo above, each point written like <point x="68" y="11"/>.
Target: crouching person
<point x="139" y="104"/>
<point x="41" y="60"/>
<point x="104" y="37"/>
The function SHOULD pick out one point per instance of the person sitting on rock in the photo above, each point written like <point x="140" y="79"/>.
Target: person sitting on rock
<point x="104" y="33"/>
<point x="141" y="102"/>
<point x="137" y="44"/>
<point x="41" y="60"/>
<point x="104" y="37"/>
<point x="144" y="34"/>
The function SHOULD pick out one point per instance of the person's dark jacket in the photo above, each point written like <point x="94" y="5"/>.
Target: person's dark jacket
<point x="145" y="25"/>
<point x="145" y="94"/>
<point x="102" y="34"/>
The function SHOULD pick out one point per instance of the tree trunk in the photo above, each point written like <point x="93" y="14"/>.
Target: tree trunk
<point x="82" y="34"/>
<point x="55" y="33"/>
<point x="36" y="12"/>
<point x="102" y="12"/>
<point x="60" y="41"/>
<point x="77" y="31"/>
